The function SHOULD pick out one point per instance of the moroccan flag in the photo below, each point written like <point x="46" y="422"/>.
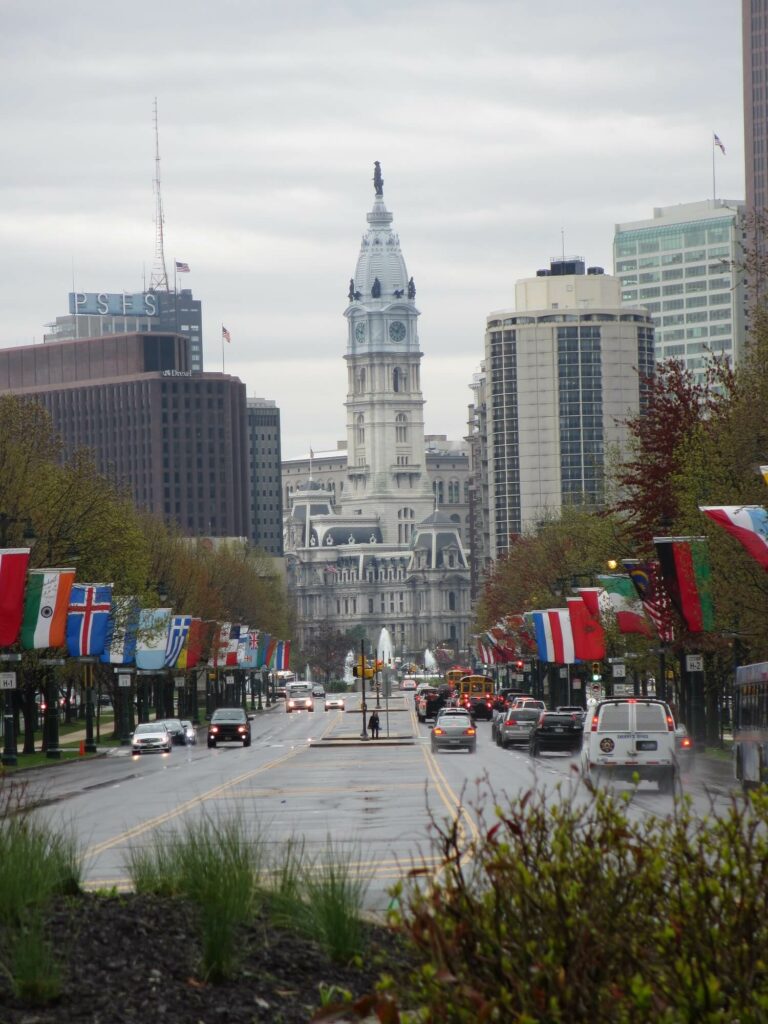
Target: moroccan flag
<point x="747" y="523"/>
<point x="645" y="577"/>
<point x="686" y="574"/>
<point x="591" y="598"/>
<point x="152" y="637"/>
<point x="90" y="605"/>
<point x="588" y="634"/>
<point x="13" y="573"/>
<point x="120" y="647"/>
<point x="45" y="608"/>
<point x="625" y="604"/>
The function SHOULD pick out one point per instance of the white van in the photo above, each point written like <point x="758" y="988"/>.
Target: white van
<point x="630" y="737"/>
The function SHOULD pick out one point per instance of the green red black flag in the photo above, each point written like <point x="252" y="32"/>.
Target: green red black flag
<point x="685" y="571"/>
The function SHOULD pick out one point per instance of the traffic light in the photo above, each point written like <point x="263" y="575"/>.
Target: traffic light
<point x="362" y="670"/>
<point x="519" y="665"/>
<point x="597" y="671"/>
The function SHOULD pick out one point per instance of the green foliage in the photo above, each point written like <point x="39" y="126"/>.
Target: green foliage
<point x="36" y="864"/>
<point x="31" y="965"/>
<point x="575" y="910"/>
<point x="333" y="901"/>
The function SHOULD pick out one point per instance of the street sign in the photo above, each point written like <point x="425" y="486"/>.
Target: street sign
<point x="619" y="670"/>
<point x="576" y="683"/>
<point x="518" y="677"/>
<point x="694" y="662"/>
<point x="7" y="680"/>
<point x="179" y="682"/>
<point x="229" y="680"/>
<point x="124" y="680"/>
<point x="564" y="673"/>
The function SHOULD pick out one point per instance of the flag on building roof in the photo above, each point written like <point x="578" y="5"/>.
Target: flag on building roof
<point x="645" y="576"/>
<point x="624" y="604"/>
<point x="45" y="608"/>
<point x="225" y="334"/>
<point x="123" y="625"/>
<point x="152" y="638"/>
<point x="588" y="634"/>
<point x="178" y="630"/>
<point x="685" y="571"/>
<point x="747" y="523"/>
<point x="182" y="268"/>
<point x="90" y="605"/>
<point x="719" y="144"/>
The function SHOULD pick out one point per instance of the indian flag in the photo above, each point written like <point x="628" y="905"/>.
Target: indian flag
<point x="45" y="608"/>
<point x="625" y="604"/>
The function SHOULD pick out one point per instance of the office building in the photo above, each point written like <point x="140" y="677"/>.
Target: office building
<point x="682" y="265"/>
<point x="561" y="376"/>
<point x="266" y="530"/>
<point x="175" y="440"/>
<point x="754" y="25"/>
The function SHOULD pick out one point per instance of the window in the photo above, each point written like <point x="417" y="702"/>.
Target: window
<point x="401" y="427"/>
<point x="437" y="490"/>
<point x="360" y="423"/>
<point x="399" y="379"/>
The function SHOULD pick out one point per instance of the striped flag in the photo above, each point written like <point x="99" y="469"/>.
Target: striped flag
<point x="684" y="568"/>
<point x="177" y="635"/>
<point x="182" y="268"/>
<point x="554" y="636"/>
<point x="718" y="143"/>
<point x="45" y="608"/>
<point x="647" y="583"/>
<point x="225" y="334"/>
<point x="747" y="523"/>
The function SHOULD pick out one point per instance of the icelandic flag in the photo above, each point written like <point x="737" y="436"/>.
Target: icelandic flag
<point x="177" y="635"/>
<point x="89" y="607"/>
<point x="120" y="646"/>
<point x="153" y="633"/>
<point x="747" y="523"/>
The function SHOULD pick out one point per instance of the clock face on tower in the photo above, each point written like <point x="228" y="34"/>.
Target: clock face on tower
<point x="360" y="331"/>
<point x="396" y="330"/>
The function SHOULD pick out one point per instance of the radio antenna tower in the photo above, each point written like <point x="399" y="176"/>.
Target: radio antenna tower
<point x="158" y="282"/>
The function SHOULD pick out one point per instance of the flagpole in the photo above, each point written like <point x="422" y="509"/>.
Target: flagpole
<point x="175" y="298"/>
<point x="714" y="189"/>
<point x="222" y="348"/>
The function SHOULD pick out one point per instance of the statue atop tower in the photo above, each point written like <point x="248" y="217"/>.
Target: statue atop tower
<point x="378" y="181"/>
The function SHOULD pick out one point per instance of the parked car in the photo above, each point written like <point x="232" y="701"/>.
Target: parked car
<point x="453" y="730"/>
<point x="628" y="738"/>
<point x="151" y="738"/>
<point x="189" y="731"/>
<point x="516" y="726"/>
<point x="176" y="729"/>
<point x="334" y="703"/>
<point x="229" y="725"/>
<point x="556" y="730"/>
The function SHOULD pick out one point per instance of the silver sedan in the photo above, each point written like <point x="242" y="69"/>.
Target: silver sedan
<point x="453" y="730"/>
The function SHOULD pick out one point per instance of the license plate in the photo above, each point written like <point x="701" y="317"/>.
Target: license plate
<point x="646" y="745"/>
<point x="454" y="743"/>
<point x="559" y="728"/>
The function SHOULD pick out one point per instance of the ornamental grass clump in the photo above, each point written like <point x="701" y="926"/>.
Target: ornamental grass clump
<point x="576" y="907"/>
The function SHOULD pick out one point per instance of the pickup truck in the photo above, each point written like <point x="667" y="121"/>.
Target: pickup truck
<point x="428" y="703"/>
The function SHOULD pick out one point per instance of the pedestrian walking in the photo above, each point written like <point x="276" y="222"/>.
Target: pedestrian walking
<point x="373" y="725"/>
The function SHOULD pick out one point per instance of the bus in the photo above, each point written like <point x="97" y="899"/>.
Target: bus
<point x="475" y="686"/>
<point x="750" y="724"/>
<point x="454" y="676"/>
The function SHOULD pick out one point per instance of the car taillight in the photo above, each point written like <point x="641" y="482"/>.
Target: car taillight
<point x="685" y="742"/>
<point x="470" y="732"/>
<point x="593" y="727"/>
<point x="511" y="721"/>
<point x="487" y="703"/>
<point x="670" y="724"/>
<point x="439" y="732"/>
<point x="214" y="728"/>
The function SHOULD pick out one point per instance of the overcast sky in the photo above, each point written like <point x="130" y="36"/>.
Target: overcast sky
<point x="499" y="124"/>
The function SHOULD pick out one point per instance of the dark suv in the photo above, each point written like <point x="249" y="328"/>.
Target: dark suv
<point x="556" y="730"/>
<point x="229" y="724"/>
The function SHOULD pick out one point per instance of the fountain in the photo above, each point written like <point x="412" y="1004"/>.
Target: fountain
<point x="349" y="662"/>
<point x="430" y="665"/>
<point x="384" y="647"/>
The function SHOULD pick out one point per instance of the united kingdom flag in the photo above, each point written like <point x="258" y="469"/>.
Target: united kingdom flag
<point x="87" y="618"/>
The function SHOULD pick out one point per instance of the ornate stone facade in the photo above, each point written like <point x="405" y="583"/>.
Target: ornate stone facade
<point x="381" y="554"/>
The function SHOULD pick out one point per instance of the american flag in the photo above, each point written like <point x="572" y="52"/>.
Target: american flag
<point x="646" y="578"/>
<point x="182" y="268"/>
<point x="225" y="333"/>
<point x="719" y="144"/>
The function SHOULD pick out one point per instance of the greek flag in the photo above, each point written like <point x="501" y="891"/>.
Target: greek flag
<point x="177" y="635"/>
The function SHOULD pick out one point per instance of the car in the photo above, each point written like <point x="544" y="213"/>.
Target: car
<point x="176" y="729"/>
<point x="684" y="748"/>
<point x="408" y="683"/>
<point x="529" y="702"/>
<point x="556" y="730"/>
<point x="318" y="691"/>
<point x="575" y="709"/>
<point x="628" y="739"/>
<point x="453" y="730"/>
<point x="189" y="731"/>
<point x="229" y="725"/>
<point x="428" y="703"/>
<point x="516" y="725"/>
<point x="334" y="703"/>
<point x="151" y="738"/>
<point x="481" y="707"/>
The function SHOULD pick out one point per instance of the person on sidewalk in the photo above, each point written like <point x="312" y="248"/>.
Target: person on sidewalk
<point x="373" y="725"/>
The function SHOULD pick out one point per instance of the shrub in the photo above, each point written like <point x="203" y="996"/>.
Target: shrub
<point x="574" y="909"/>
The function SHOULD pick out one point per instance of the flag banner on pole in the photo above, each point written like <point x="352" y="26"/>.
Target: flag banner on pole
<point x="90" y="605"/>
<point x="182" y="268"/>
<point x="152" y="638"/>
<point x="248" y="649"/>
<point x="718" y="143"/>
<point x="283" y="656"/>
<point x="220" y="645"/>
<point x="177" y="636"/>
<point x="684" y="566"/>
<point x="554" y="637"/>
<point x="520" y="628"/>
<point x="230" y="655"/>
<point x="588" y="634"/>
<point x="262" y="661"/>
<point x="189" y="656"/>
<point x="591" y="598"/>
<point x="123" y="625"/>
<point x="225" y="334"/>
<point x="484" y="652"/>
<point x="13" y="576"/>
<point x="270" y="653"/>
<point x="747" y="523"/>
<point x="645" y="577"/>
<point x="625" y="605"/>
<point x="45" y="608"/>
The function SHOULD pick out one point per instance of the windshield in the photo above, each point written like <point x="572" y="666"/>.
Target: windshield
<point x="150" y="727"/>
<point x="234" y="715"/>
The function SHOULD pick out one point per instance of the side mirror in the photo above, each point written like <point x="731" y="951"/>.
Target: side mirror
<point x="251" y="718"/>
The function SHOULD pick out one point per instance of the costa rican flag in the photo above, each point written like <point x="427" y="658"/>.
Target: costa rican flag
<point x="747" y="523"/>
<point x="87" y="619"/>
<point x="177" y="635"/>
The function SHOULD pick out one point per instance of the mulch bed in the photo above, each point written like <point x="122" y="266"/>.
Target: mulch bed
<point x="130" y="958"/>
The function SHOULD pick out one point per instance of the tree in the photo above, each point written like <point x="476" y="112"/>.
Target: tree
<point x="327" y="649"/>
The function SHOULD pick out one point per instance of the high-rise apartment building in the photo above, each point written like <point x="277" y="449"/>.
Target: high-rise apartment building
<point x="264" y="459"/>
<point x="561" y="376"/>
<point x="683" y="266"/>
<point x="754" y="24"/>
